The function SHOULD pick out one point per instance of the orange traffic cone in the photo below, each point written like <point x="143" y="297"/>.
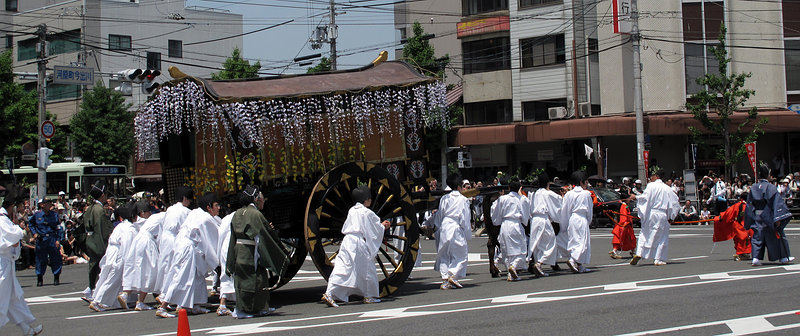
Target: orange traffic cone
<point x="183" y="324"/>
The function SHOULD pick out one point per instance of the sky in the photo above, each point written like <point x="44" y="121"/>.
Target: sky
<point x="363" y="32"/>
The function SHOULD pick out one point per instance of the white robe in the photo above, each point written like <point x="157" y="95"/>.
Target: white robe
<point x="354" y="270"/>
<point x="453" y="230"/>
<point x="226" y="288"/>
<point x="109" y="283"/>
<point x="141" y="272"/>
<point x="508" y="212"/>
<point x="657" y="206"/>
<point x="12" y="301"/>
<point x="194" y="256"/>
<point x="545" y="209"/>
<point x="577" y="211"/>
<point x="173" y="219"/>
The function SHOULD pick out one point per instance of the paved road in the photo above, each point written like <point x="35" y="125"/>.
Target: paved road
<point x="701" y="292"/>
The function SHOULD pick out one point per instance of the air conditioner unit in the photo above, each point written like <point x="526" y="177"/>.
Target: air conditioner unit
<point x="585" y="109"/>
<point x="557" y="112"/>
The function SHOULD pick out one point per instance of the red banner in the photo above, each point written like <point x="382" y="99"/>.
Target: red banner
<point x="483" y="26"/>
<point x="751" y="155"/>
<point x="646" y="159"/>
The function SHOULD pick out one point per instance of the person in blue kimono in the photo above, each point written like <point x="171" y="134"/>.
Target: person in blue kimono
<point x="767" y="214"/>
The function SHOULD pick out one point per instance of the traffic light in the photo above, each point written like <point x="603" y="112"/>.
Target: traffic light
<point x="146" y="77"/>
<point x="149" y="84"/>
<point x="44" y="157"/>
<point x="130" y="74"/>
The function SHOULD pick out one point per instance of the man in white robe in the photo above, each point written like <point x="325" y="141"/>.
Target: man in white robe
<point x="176" y="215"/>
<point x="508" y="212"/>
<point x="453" y="230"/>
<point x="194" y="256"/>
<point x="658" y="206"/>
<point x="545" y="209"/>
<point x="354" y="271"/>
<point x="227" y="292"/>
<point x="12" y="301"/>
<point x="109" y="283"/>
<point x="140" y="271"/>
<point x="576" y="210"/>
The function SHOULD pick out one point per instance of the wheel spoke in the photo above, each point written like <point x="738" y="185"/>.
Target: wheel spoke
<point x="333" y="255"/>
<point x="399" y="237"/>
<point x="391" y="260"/>
<point x="383" y="268"/>
<point x="394" y="248"/>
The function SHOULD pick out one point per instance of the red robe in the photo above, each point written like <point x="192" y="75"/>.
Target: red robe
<point x="624" y="238"/>
<point x="730" y="225"/>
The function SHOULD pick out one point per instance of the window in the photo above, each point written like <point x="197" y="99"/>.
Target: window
<point x="792" y="55"/>
<point x="11" y="5"/>
<point x="9" y="41"/>
<point x="119" y="42"/>
<point x="26" y="49"/>
<point x="152" y="154"/>
<point x="62" y="91"/>
<point x="541" y="51"/>
<point x="532" y="3"/>
<point x="693" y="59"/>
<point x="489" y="112"/>
<point x="175" y="49"/>
<point x="537" y="110"/>
<point x="153" y="60"/>
<point x="486" y="55"/>
<point x="594" y="51"/>
<point x="471" y="7"/>
<point x="66" y="42"/>
<point x="60" y="43"/>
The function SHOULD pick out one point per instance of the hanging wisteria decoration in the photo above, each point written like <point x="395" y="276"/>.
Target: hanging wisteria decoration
<point x="298" y="120"/>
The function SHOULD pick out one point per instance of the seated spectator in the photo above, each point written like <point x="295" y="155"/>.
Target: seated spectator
<point x="705" y="214"/>
<point x="27" y="256"/>
<point x="688" y="213"/>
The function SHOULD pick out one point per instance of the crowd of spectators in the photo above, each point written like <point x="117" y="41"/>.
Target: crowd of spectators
<point x="71" y="233"/>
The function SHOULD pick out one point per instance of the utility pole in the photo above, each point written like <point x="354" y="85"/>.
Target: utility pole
<point x="333" y="32"/>
<point x="41" y="91"/>
<point x="637" y="91"/>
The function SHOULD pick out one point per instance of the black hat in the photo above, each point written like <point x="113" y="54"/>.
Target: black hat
<point x="98" y="189"/>
<point x="556" y="186"/>
<point x="361" y="194"/>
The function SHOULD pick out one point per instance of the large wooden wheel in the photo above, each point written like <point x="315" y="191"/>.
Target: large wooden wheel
<point x="297" y="260"/>
<point x="327" y="210"/>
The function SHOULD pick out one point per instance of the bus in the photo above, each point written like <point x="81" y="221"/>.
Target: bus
<point x="72" y="177"/>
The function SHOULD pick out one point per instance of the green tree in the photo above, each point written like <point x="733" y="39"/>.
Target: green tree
<point x="324" y="65"/>
<point x="103" y="128"/>
<point x="19" y="116"/>
<point x="236" y="67"/>
<point x="419" y="52"/>
<point x="722" y="96"/>
<point x="18" y="111"/>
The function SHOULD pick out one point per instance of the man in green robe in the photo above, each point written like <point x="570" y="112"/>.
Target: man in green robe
<point x="256" y="257"/>
<point x="98" y="229"/>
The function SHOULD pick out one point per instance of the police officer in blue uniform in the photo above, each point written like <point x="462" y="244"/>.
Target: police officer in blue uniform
<point x="47" y="232"/>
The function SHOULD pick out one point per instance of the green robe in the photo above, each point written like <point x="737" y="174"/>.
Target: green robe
<point x="98" y="228"/>
<point x="251" y="284"/>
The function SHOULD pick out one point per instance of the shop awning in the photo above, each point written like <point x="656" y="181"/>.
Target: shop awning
<point x="454" y="94"/>
<point x="667" y="123"/>
<point x="490" y="135"/>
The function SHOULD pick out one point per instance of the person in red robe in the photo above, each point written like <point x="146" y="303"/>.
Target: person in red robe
<point x="730" y="225"/>
<point x="624" y="237"/>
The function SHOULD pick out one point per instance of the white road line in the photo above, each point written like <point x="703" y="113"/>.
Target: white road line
<point x="38" y="300"/>
<point x="688" y="258"/>
<point x="489" y="303"/>
<point x="740" y="326"/>
<point x="101" y="315"/>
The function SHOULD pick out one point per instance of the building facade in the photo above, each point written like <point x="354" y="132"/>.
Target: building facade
<point x="111" y="36"/>
<point x="543" y="79"/>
